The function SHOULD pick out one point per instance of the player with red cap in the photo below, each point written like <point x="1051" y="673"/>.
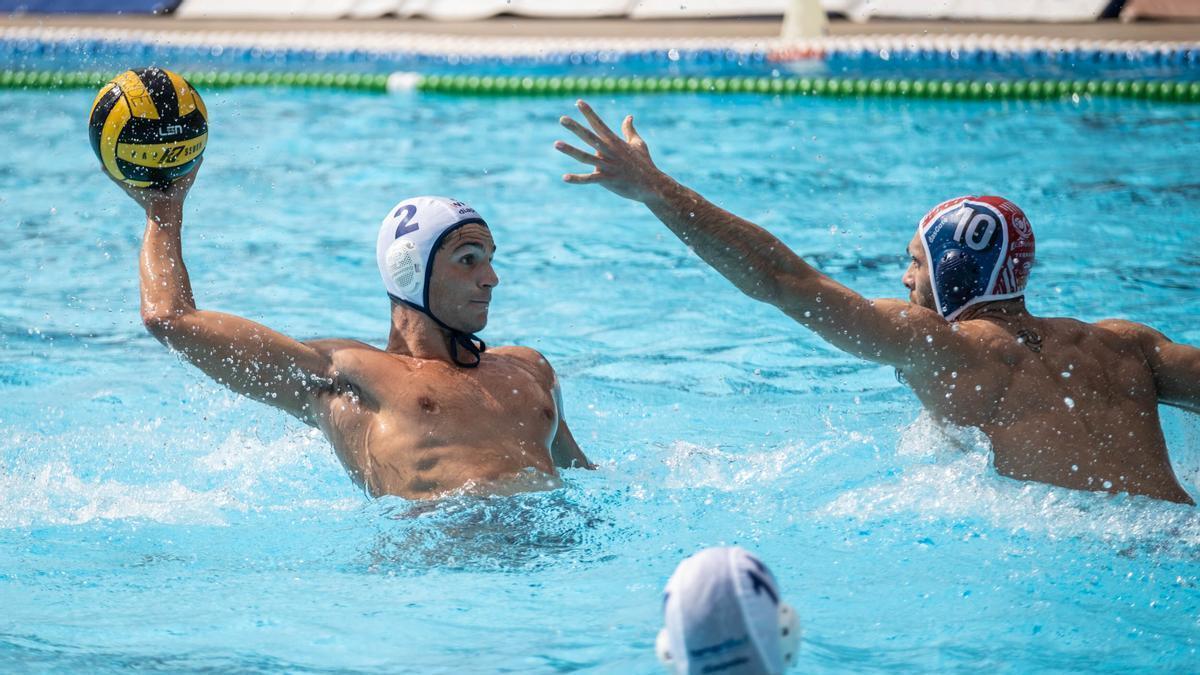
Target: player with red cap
<point x="1062" y="401"/>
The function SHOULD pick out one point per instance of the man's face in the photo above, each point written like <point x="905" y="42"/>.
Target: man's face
<point x="916" y="277"/>
<point x="460" y="291"/>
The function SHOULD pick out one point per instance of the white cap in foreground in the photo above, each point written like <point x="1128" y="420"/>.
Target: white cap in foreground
<point x="723" y="614"/>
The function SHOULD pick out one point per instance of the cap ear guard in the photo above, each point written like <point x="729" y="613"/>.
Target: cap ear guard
<point x="789" y="640"/>
<point x="662" y="648"/>
<point x="789" y="634"/>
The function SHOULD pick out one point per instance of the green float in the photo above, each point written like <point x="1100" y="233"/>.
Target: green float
<point x="524" y="85"/>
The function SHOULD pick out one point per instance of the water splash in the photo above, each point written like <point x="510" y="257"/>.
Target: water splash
<point x="953" y="480"/>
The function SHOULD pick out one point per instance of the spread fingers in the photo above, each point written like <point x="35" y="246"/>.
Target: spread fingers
<point x="576" y="153"/>
<point x="582" y="132"/>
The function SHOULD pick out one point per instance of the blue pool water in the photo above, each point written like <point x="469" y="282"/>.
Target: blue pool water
<point x="151" y="520"/>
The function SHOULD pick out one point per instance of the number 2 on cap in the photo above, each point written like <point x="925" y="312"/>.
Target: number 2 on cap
<point x="403" y="228"/>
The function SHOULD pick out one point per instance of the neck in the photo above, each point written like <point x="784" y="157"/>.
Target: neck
<point x="416" y="334"/>
<point x="1000" y="309"/>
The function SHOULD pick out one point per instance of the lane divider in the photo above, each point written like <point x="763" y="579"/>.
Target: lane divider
<point x="474" y="85"/>
<point x="268" y="46"/>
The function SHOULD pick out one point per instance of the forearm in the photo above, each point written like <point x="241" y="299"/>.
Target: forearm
<point x="761" y="266"/>
<point x="165" y="287"/>
<point x="247" y="357"/>
<point x="746" y="254"/>
<point x="758" y="263"/>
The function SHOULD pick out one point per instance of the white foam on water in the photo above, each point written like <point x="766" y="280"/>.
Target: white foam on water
<point x="248" y="461"/>
<point x="690" y="465"/>
<point x="41" y="485"/>
<point x="953" y="479"/>
<point x="52" y="494"/>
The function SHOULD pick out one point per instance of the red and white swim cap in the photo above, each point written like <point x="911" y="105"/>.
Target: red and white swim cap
<point x="979" y="249"/>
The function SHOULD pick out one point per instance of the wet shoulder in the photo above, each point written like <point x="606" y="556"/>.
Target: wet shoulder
<point x="370" y="368"/>
<point x="1125" y="333"/>
<point x="992" y="342"/>
<point x="346" y="354"/>
<point x="525" y="358"/>
<point x="1102" y="353"/>
<point x="1115" y="336"/>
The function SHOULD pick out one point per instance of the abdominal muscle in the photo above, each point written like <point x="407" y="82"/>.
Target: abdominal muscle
<point x="433" y="471"/>
<point x="422" y="456"/>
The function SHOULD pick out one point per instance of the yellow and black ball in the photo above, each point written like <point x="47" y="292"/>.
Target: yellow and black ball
<point x="148" y="127"/>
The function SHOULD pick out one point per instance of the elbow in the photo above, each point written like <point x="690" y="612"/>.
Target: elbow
<point x="162" y="324"/>
<point x="785" y="290"/>
<point x="769" y="288"/>
<point x="762" y="290"/>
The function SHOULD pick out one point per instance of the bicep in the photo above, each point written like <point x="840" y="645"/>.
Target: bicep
<point x="250" y="358"/>
<point x="887" y="331"/>
<point x="1176" y="373"/>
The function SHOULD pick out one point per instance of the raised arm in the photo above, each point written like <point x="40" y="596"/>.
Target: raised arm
<point x="886" y="331"/>
<point x="250" y="359"/>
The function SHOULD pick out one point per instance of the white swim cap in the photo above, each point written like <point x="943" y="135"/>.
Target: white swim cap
<point x="723" y="614"/>
<point x="408" y="239"/>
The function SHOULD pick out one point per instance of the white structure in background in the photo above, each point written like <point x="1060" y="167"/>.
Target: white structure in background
<point x="469" y="10"/>
<point x="704" y="9"/>
<point x="804" y="19"/>
<point x="976" y="10"/>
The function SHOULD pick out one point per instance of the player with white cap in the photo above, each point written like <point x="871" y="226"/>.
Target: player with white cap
<point x="723" y="614"/>
<point x="429" y="414"/>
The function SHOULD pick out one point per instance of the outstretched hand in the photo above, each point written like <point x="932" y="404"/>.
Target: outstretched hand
<point x="161" y="201"/>
<point x="621" y="165"/>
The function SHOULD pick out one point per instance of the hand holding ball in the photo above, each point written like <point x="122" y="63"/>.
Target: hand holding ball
<point x="148" y="127"/>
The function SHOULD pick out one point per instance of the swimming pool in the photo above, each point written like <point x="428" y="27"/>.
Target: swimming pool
<point x="149" y="519"/>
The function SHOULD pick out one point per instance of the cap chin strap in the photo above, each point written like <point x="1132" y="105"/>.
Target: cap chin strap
<point x="458" y="339"/>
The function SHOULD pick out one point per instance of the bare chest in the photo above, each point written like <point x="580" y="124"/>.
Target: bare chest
<point x="504" y="402"/>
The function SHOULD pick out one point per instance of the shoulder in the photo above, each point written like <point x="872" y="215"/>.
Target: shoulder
<point x="1127" y="328"/>
<point x="1147" y="339"/>
<point x="331" y="345"/>
<point x="527" y="357"/>
<point x="337" y="348"/>
<point x="357" y="362"/>
<point x="523" y="354"/>
<point x="1140" y="333"/>
<point x="984" y="339"/>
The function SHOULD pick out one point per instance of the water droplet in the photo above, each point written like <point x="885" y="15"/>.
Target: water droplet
<point x="1074" y="467"/>
<point x="1066" y="374"/>
<point x="1108" y="485"/>
<point x="978" y="387"/>
<point x="1070" y="403"/>
<point x="929" y="339"/>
